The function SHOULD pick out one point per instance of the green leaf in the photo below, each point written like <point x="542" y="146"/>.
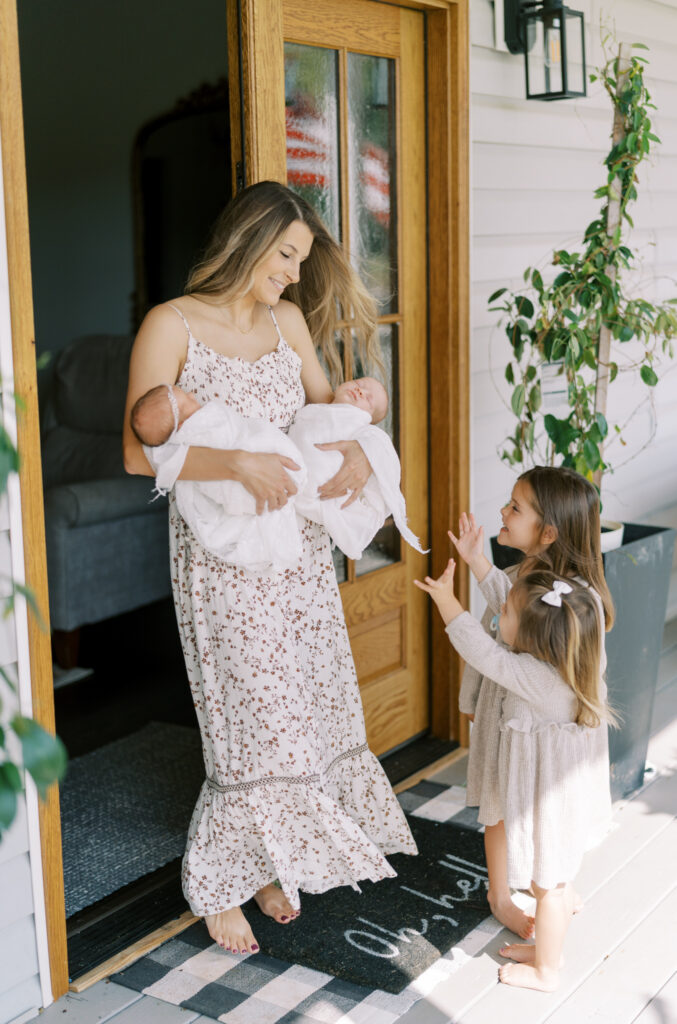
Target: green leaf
<point x="592" y="454"/>
<point x="639" y="46"/>
<point x="626" y="332"/>
<point x="517" y="400"/>
<point x="10" y="776"/>
<point x="7" y="805"/>
<point x="648" y="376"/>
<point x="589" y="358"/>
<point x="44" y="755"/>
<point x="613" y="372"/>
<point x="509" y="375"/>
<point x="534" y="400"/>
<point x="602" y="424"/>
<point x="525" y="306"/>
<point x="497" y="294"/>
<point x="537" y="281"/>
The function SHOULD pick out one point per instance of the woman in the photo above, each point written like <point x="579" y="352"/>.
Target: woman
<point x="292" y="792"/>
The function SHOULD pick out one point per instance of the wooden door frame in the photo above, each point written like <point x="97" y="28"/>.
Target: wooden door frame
<point x="447" y="89"/>
<point x="448" y="304"/>
<point x="30" y="473"/>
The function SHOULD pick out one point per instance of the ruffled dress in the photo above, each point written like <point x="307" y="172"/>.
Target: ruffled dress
<point x="547" y="777"/>
<point x="292" y="791"/>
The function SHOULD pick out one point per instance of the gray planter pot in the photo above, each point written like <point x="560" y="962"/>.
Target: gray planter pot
<point x="638" y="575"/>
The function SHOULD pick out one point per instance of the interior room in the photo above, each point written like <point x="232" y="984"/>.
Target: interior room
<point x="126" y="174"/>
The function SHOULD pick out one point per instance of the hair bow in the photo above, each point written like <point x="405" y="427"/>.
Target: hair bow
<point x="554" y="596"/>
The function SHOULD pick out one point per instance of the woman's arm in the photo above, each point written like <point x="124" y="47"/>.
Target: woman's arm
<point x="158" y="356"/>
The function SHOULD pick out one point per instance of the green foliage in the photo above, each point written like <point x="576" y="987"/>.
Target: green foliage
<point x="562" y="322"/>
<point x="24" y="745"/>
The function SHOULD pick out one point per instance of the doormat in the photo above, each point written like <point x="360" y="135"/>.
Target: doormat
<point x="345" y="943"/>
<point x="125" y="809"/>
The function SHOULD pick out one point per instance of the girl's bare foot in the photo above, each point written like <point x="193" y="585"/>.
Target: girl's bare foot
<point x="273" y="902"/>
<point x="526" y="976"/>
<point x="521" y="954"/>
<point x="230" y="929"/>
<point x="510" y="916"/>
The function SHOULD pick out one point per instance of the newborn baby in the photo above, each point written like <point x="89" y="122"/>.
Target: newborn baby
<point x="168" y="421"/>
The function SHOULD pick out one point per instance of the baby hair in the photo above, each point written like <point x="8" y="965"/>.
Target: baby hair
<point x="152" y="417"/>
<point x="566" y="500"/>
<point x="565" y="634"/>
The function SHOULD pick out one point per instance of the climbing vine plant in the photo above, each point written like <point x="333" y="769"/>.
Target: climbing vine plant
<point x="564" y="323"/>
<point x="24" y="745"/>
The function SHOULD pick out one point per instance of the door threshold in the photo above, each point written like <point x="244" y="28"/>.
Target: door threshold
<point x="131" y="953"/>
<point x="425" y="756"/>
<point x="435" y="766"/>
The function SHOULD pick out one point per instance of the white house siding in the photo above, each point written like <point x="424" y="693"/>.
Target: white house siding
<point x="534" y="168"/>
<point x="23" y="986"/>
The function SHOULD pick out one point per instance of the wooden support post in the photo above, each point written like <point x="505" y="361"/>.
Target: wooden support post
<point x="613" y="220"/>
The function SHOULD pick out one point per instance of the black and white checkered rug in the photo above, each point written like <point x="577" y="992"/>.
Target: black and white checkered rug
<point x="193" y="972"/>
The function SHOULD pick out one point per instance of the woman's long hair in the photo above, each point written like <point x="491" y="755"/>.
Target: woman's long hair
<point x="329" y="289"/>
<point x="568" y="637"/>
<point x="566" y="500"/>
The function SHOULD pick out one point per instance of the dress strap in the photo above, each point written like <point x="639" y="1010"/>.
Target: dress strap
<point x="277" y="326"/>
<point x="178" y="311"/>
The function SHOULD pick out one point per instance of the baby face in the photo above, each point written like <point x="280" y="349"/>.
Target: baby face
<point x="365" y="393"/>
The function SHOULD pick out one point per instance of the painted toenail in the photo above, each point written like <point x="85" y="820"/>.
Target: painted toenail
<point x="284" y="918"/>
<point x="254" y="947"/>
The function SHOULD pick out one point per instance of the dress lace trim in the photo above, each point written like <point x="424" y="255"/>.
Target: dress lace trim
<point x="307" y="780"/>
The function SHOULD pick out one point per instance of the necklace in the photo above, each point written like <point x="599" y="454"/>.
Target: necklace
<point x="232" y="323"/>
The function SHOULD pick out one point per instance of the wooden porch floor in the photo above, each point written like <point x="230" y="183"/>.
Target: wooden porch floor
<point x="621" y="949"/>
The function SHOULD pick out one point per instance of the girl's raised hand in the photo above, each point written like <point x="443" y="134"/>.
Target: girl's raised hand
<point x="470" y="540"/>
<point x="470" y="546"/>
<point x="442" y="592"/>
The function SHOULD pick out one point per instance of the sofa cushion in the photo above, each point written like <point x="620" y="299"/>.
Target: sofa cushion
<point x="71" y="456"/>
<point x="100" y="501"/>
<point x="90" y="383"/>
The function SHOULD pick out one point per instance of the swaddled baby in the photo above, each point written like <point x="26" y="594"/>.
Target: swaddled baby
<point x="168" y="421"/>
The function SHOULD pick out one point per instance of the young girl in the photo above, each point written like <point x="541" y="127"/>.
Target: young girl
<point x="553" y="517"/>
<point x="548" y="761"/>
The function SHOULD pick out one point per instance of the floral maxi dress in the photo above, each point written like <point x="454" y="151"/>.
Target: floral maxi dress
<point x="292" y="791"/>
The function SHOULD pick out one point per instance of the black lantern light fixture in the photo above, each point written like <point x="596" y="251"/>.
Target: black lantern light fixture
<point x="552" y="39"/>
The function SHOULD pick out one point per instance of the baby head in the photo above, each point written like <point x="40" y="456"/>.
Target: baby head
<point x="365" y="393"/>
<point x="158" y="413"/>
<point x="558" y="621"/>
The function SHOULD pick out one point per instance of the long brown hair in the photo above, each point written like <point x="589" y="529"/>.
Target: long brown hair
<point x="329" y="289"/>
<point x="568" y="637"/>
<point x="567" y="501"/>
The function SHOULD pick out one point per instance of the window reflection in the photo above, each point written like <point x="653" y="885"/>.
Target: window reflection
<point x="311" y="113"/>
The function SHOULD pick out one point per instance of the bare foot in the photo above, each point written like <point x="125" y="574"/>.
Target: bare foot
<point x="510" y="915"/>
<point x="526" y="976"/>
<point x="230" y="929"/>
<point x="273" y="902"/>
<point x="521" y="954"/>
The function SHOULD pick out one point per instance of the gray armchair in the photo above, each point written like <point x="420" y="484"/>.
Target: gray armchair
<point x="107" y="542"/>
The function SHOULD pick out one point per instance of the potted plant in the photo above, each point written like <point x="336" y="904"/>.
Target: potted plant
<point x="24" y="745"/>
<point x="567" y="335"/>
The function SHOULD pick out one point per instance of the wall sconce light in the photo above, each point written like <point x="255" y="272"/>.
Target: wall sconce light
<point x="552" y="39"/>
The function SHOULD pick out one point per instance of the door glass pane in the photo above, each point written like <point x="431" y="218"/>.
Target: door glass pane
<point x="372" y="174"/>
<point x="311" y="107"/>
<point x="385" y="547"/>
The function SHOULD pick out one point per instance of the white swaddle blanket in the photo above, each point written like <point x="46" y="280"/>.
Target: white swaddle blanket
<point x="352" y="529"/>
<point x="222" y="513"/>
